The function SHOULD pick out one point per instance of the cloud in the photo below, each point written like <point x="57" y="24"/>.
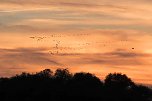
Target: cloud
<point x="41" y="56"/>
<point x="14" y="61"/>
<point x="125" y="54"/>
<point x="110" y="59"/>
<point x="71" y="1"/>
<point x="24" y="56"/>
<point x="113" y="28"/>
<point x="75" y="15"/>
<point x="19" y="59"/>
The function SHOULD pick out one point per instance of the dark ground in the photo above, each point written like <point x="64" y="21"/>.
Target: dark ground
<point x="64" y="86"/>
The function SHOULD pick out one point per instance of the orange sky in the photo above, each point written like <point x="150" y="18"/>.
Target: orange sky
<point x="97" y="36"/>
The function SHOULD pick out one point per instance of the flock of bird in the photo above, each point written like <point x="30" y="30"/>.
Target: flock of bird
<point x="38" y="38"/>
<point x="57" y="48"/>
<point x="57" y="36"/>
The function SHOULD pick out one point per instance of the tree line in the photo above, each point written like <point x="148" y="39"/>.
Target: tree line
<point x="65" y="86"/>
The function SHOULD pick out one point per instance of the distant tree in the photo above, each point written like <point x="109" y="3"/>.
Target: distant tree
<point x="23" y="75"/>
<point x="117" y="86"/>
<point x="142" y="93"/>
<point x="2" y="79"/>
<point x="63" y="85"/>
<point x="47" y="73"/>
<point x="85" y="84"/>
<point x="86" y="79"/>
<point x="62" y="74"/>
<point x="118" y="80"/>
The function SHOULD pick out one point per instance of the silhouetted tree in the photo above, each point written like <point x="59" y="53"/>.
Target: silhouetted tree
<point x="62" y="74"/>
<point x="86" y="85"/>
<point x="141" y="93"/>
<point x="118" y="80"/>
<point x="22" y="76"/>
<point x="86" y="79"/>
<point x="117" y="86"/>
<point x="47" y="73"/>
<point x="63" y="85"/>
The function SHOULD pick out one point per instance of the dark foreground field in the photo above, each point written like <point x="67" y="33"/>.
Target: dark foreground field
<point x="64" y="86"/>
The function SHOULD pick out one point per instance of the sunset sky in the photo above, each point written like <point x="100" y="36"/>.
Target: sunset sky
<point x="97" y="36"/>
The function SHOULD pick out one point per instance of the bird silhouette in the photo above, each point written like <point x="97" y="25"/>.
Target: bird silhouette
<point x="38" y="38"/>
